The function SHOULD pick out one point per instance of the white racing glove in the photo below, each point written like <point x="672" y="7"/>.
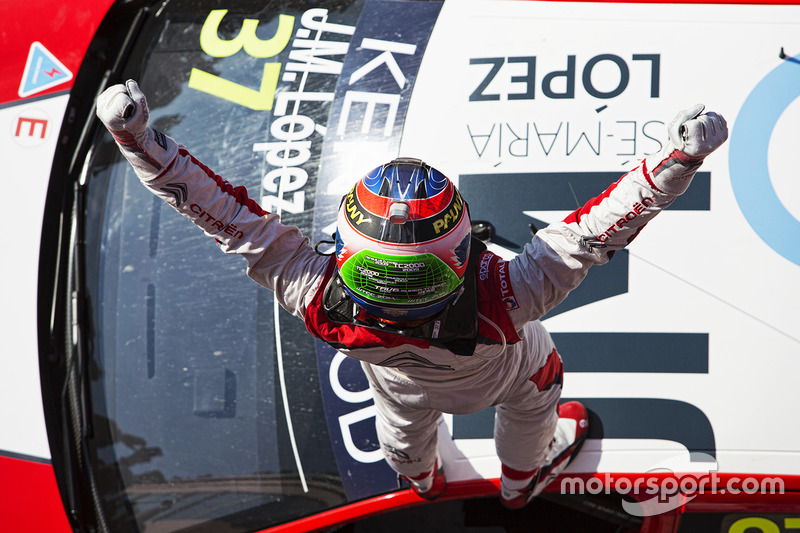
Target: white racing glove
<point x="124" y="112"/>
<point x="692" y="136"/>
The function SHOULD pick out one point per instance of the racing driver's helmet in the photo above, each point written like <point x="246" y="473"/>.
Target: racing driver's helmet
<point x="402" y="241"/>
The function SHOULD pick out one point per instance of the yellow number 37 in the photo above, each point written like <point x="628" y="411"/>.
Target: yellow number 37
<point x="261" y="99"/>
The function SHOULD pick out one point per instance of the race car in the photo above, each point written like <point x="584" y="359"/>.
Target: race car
<point x="148" y="385"/>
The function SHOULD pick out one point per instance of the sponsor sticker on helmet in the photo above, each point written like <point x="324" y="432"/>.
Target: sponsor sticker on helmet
<point x="398" y="279"/>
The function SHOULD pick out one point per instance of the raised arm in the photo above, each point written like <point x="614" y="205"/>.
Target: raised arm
<point x="558" y="257"/>
<point x="278" y="257"/>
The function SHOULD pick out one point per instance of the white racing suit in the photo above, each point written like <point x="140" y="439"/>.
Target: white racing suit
<point x="515" y="366"/>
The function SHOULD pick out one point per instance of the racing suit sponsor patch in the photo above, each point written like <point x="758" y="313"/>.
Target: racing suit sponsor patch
<point x="503" y="284"/>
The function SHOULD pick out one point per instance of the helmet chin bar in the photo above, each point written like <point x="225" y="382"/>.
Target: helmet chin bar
<point x="340" y="306"/>
<point x="454" y="327"/>
<point x="404" y="314"/>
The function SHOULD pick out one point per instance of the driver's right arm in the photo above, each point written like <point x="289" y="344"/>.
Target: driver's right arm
<point x="278" y="257"/>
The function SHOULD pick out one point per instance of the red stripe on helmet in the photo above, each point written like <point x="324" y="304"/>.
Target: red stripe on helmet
<point x="420" y="208"/>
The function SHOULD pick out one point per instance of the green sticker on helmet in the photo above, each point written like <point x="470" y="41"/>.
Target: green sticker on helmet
<point x="403" y="280"/>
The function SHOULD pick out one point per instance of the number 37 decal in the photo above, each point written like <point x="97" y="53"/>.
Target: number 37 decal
<point x="260" y="99"/>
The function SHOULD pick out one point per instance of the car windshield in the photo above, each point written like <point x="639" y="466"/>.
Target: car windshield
<point x="197" y="420"/>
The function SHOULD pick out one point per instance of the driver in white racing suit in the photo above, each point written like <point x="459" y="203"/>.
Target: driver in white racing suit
<point x="440" y="324"/>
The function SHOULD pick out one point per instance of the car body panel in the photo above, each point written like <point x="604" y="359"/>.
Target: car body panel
<point x="586" y="96"/>
<point x="43" y="46"/>
<point x="47" y="41"/>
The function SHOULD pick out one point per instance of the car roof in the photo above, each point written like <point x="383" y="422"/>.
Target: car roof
<point x="683" y="347"/>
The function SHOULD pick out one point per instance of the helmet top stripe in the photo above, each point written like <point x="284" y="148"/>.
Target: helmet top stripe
<point x="413" y="231"/>
<point x="419" y="208"/>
